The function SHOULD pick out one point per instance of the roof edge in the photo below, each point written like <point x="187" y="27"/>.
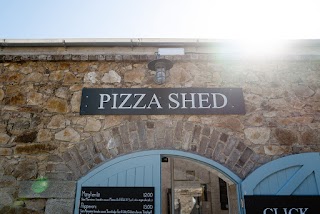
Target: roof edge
<point x="135" y="42"/>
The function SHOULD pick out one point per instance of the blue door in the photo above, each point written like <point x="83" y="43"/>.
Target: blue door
<point x="291" y="175"/>
<point x="143" y="169"/>
<point x="126" y="171"/>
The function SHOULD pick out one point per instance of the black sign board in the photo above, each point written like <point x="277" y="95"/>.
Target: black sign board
<point x="138" y="200"/>
<point x="282" y="204"/>
<point x="155" y="101"/>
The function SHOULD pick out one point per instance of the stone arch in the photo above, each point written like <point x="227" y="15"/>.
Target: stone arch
<point x="138" y="135"/>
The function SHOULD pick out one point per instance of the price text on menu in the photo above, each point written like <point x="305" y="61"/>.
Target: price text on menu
<point x="114" y="200"/>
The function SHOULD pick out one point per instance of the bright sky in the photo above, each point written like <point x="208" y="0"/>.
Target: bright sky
<point x="215" y="19"/>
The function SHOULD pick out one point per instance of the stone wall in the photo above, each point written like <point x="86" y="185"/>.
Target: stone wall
<point x="46" y="146"/>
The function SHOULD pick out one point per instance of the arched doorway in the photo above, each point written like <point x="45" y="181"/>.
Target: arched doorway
<point x="180" y="180"/>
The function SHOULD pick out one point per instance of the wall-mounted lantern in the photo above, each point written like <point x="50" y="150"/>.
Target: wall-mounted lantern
<point x="161" y="67"/>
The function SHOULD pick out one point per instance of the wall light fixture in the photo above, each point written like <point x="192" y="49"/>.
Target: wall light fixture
<point x="161" y="67"/>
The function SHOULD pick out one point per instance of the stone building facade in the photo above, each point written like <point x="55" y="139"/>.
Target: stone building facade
<point x="44" y="138"/>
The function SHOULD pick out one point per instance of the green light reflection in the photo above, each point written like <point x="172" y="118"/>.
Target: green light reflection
<point x="40" y="185"/>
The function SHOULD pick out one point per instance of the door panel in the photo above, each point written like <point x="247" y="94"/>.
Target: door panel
<point x="130" y="172"/>
<point x="127" y="171"/>
<point x="307" y="186"/>
<point x="143" y="169"/>
<point x="291" y="175"/>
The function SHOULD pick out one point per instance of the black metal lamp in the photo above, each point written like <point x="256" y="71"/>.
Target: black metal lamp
<point x="161" y="67"/>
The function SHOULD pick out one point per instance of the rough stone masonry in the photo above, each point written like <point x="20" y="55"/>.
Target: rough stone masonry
<point x="43" y="138"/>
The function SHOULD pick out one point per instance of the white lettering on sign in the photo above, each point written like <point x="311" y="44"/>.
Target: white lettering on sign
<point x="202" y="99"/>
<point x="285" y="211"/>
<point x="136" y="106"/>
<point x="154" y="101"/>
<point x="176" y="100"/>
<point x="114" y="106"/>
<point x="127" y="96"/>
<point x="225" y="100"/>
<point x="184" y="100"/>
<point x="102" y="100"/>
<point x="161" y="101"/>
<point x="124" y="101"/>
<point x="205" y="100"/>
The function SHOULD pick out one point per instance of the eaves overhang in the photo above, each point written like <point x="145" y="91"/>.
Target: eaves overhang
<point x="108" y="42"/>
<point x="136" y="49"/>
<point x="138" y="42"/>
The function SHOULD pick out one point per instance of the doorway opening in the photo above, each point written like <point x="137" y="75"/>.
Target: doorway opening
<point x="191" y="187"/>
<point x="182" y="183"/>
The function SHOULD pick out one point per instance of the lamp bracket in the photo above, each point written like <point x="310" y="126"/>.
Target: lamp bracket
<point x="154" y="64"/>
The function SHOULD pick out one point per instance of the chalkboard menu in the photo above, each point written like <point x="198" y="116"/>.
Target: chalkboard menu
<point x="126" y="200"/>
